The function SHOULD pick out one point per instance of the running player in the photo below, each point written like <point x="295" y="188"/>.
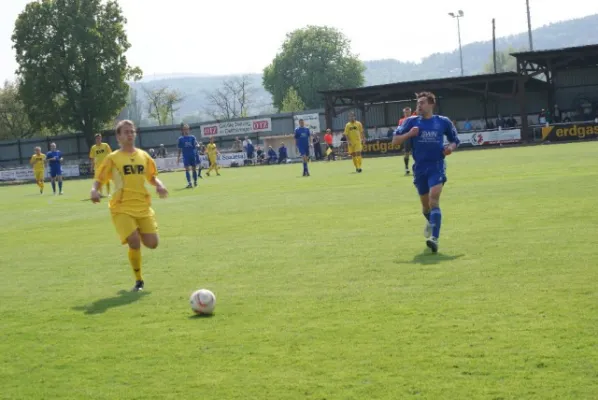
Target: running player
<point x="54" y="158"/>
<point x="38" y="162"/>
<point x="97" y="154"/>
<point x="130" y="206"/>
<point x="187" y="147"/>
<point x="212" y="151"/>
<point x="302" y="139"/>
<point x="355" y="138"/>
<point x="426" y="133"/>
<point x="407" y="144"/>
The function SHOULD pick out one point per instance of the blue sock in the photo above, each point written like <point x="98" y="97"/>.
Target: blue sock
<point x="194" y="176"/>
<point x="435" y="220"/>
<point x="60" y="185"/>
<point x="304" y="166"/>
<point x="199" y="172"/>
<point x="188" y="175"/>
<point x="427" y="215"/>
<point x="54" y="186"/>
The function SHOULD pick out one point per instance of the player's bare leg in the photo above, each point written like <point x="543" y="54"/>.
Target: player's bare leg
<point x="134" y="242"/>
<point x="425" y="200"/>
<point x="435" y="217"/>
<point x="406" y="159"/>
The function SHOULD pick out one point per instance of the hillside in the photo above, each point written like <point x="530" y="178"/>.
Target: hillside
<point x="577" y="32"/>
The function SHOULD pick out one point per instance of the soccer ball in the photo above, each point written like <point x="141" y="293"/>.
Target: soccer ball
<point x="202" y="301"/>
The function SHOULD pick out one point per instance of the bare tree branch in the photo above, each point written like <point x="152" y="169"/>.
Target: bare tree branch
<point x="233" y="100"/>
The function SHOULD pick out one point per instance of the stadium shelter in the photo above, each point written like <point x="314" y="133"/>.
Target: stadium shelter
<point x="486" y="95"/>
<point x="570" y="73"/>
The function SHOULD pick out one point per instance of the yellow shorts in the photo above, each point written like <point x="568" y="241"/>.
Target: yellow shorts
<point x="39" y="175"/>
<point x="355" y="148"/>
<point x="212" y="159"/>
<point x="96" y="173"/>
<point x="126" y="224"/>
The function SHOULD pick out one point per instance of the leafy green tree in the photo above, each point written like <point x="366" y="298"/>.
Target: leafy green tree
<point x="313" y="59"/>
<point x="14" y="122"/>
<point x="72" y="63"/>
<point x="292" y="102"/>
<point x="505" y="62"/>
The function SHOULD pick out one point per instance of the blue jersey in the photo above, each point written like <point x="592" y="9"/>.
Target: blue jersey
<point x="54" y="163"/>
<point x="428" y="145"/>
<point x="188" y="145"/>
<point x="302" y="136"/>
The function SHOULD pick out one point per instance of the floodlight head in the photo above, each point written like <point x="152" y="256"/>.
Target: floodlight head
<point x="461" y="13"/>
<point x="452" y="14"/>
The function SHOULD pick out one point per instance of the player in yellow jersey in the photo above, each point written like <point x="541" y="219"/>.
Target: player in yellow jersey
<point x="355" y="138"/>
<point x="97" y="154"/>
<point x="134" y="219"/>
<point x="38" y="162"/>
<point x="212" y="157"/>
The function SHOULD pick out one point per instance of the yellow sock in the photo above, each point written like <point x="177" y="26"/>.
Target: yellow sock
<point x="108" y="189"/>
<point x="355" y="161"/>
<point x="358" y="161"/>
<point x="41" y="184"/>
<point x="135" y="260"/>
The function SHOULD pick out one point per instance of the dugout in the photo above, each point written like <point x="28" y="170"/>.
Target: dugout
<point x="480" y="97"/>
<point x="571" y="76"/>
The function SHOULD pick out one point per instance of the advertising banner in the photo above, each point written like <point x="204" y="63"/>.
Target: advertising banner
<point x="570" y="132"/>
<point x="236" y="128"/>
<point x="26" y="174"/>
<point x="486" y="138"/>
<point x="312" y="121"/>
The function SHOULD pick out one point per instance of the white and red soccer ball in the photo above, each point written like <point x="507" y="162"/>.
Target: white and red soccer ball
<point x="203" y="301"/>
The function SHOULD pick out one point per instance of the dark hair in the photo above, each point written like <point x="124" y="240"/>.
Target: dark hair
<point x="428" y="95"/>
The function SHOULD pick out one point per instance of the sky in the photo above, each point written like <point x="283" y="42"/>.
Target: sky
<point x="234" y="36"/>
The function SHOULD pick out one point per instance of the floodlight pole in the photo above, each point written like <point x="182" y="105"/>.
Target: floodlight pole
<point x="529" y="26"/>
<point x="458" y="16"/>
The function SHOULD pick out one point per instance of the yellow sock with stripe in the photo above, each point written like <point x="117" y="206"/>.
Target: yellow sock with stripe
<point x="355" y="162"/>
<point x="135" y="260"/>
<point x="358" y="161"/>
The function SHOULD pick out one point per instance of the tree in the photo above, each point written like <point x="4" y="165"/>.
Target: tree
<point x="232" y="100"/>
<point x="134" y="108"/>
<point x="313" y="59"/>
<point x="505" y="62"/>
<point x="161" y="104"/>
<point x="14" y="122"/>
<point x="72" y="63"/>
<point x="292" y="102"/>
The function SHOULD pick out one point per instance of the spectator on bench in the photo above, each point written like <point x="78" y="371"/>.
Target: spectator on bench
<point x="260" y="155"/>
<point x="271" y="155"/>
<point x="282" y="153"/>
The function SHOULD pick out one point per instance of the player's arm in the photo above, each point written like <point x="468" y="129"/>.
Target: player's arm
<point x="92" y="157"/>
<point x="361" y="133"/>
<point x="452" y="136"/>
<point x="152" y="177"/>
<point x="104" y="176"/>
<point x="404" y="132"/>
<point x="180" y="146"/>
<point x="32" y="160"/>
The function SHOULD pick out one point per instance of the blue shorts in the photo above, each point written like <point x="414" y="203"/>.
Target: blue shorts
<point x="55" y="171"/>
<point x="304" y="151"/>
<point x="190" y="161"/>
<point x="427" y="176"/>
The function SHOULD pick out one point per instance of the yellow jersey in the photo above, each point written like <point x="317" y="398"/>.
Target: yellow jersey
<point x="99" y="153"/>
<point x="38" y="162"/>
<point x="211" y="148"/>
<point x="129" y="172"/>
<point x="353" y="132"/>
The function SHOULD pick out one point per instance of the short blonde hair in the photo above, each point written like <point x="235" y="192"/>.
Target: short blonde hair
<point x="123" y="123"/>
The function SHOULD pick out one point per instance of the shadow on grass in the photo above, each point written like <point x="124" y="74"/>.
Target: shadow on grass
<point x="122" y="298"/>
<point x="201" y="316"/>
<point x="426" y="257"/>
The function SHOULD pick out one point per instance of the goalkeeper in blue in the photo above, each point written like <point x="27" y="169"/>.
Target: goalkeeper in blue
<point x="425" y="132"/>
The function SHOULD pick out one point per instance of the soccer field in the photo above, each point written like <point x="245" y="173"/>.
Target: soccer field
<point x="325" y="287"/>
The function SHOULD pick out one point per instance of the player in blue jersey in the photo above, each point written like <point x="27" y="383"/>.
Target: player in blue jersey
<point x="302" y="139"/>
<point x="426" y="133"/>
<point x="188" y="149"/>
<point x="54" y="158"/>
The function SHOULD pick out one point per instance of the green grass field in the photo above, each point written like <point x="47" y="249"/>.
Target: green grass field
<point x="325" y="288"/>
